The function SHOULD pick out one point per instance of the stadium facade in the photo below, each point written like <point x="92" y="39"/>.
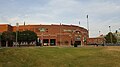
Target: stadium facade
<point x="53" y="35"/>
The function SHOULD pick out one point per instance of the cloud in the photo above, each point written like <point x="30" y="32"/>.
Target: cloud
<point x="14" y="19"/>
<point x="10" y="20"/>
<point x="102" y="13"/>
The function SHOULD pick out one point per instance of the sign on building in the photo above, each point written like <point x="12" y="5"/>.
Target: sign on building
<point x="42" y="29"/>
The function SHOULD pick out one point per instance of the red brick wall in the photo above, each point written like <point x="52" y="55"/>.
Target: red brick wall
<point x="57" y="32"/>
<point x="64" y="33"/>
<point x="5" y="27"/>
<point x="95" y="41"/>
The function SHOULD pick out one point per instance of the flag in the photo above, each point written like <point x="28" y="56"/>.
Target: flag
<point x="87" y="16"/>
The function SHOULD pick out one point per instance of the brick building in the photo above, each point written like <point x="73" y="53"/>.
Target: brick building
<point x="96" y="41"/>
<point x="5" y="27"/>
<point x="53" y="34"/>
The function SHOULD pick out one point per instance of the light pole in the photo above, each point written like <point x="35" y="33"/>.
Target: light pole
<point x="99" y="33"/>
<point x="116" y="34"/>
<point x="79" y="23"/>
<point x="119" y="29"/>
<point x="88" y="25"/>
<point x="110" y="34"/>
<point x="60" y="35"/>
<point x="17" y="25"/>
<point x="109" y="28"/>
<point x="0" y="39"/>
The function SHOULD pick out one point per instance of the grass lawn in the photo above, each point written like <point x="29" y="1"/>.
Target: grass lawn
<point x="60" y="57"/>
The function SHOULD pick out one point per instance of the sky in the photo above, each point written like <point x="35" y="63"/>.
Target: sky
<point x="102" y="13"/>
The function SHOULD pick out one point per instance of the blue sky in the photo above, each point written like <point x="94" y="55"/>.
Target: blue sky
<point x="102" y="13"/>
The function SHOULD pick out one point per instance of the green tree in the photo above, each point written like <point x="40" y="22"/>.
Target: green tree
<point x="26" y="36"/>
<point x="8" y="37"/>
<point x="29" y="36"/>
<point x="110" y="38"/>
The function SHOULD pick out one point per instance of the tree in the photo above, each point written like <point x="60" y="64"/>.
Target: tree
<point x="24" y="36"/>
<point x="8" y="37"/>
<point x="30" y="36"/>
<point x="110" y="38"/>
<point x="27" y="36"/>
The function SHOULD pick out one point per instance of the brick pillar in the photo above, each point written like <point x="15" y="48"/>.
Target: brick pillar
<point x="49" y="42"/>
<point x="6" y="43"/>
<point x="56" y="41"/>
<point x="0" y="44"/>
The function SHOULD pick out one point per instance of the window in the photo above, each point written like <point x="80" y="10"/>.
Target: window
<point x="46" y="30"/>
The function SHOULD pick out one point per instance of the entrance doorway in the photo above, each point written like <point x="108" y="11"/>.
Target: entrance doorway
<point x="52" y="42"/>
<point x="77" y="42"/>
<point x="45" y="42"/>
<point x="38" y="42"/>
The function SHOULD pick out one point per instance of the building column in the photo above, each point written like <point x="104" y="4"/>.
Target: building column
<point x="56" y="40"/>
<point x="6" y="43"/>
<point x="0" y="44"/>
<point x="49" y="42"/>
<point x="82" y="41"/>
